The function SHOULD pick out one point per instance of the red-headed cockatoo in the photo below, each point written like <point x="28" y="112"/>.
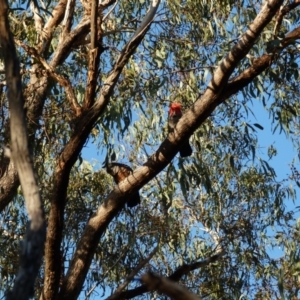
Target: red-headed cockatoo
<point x="175" y="114"/>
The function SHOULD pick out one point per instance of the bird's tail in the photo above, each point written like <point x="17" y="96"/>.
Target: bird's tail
<point x="134" y="200"/>
<point x="186" y="150"/>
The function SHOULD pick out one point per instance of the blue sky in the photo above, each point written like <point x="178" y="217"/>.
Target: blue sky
<point x="285" y="155"/>
<point x="266" y="137"/>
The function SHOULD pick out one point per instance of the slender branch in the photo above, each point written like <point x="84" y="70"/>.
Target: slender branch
<point x="64" y="82"/>
<point x="110" y="11"/>
<point x="107" y="3"/>
<point x="57" y="16"/>
<point x="68" y="18"/>
<point x="185" y="269"/>
<point x="147" y="19"/>
<point x="117" y="293"/>
<point x="121" y="255"/>
<point x="38" y="20"/>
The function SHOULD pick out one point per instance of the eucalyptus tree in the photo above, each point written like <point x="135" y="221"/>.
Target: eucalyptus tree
<point x="102" y="75"/>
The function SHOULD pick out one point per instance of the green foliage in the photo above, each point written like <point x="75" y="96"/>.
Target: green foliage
<point x="223" y="197"/>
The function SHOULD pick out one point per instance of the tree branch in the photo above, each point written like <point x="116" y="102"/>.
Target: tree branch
<point x="68" y="18"/>
<point x="9" y="183"/>
<point x="38" y="20"/>
<point x="35" y="94"/>
<point x="56" y="17"/>
<point x="116" y="295"/>
<point x="167" y="287"/>
<point x="94" y="58"/>
<point x="106" y="3"/>
<point x="62" y="81"/>
<point x="33" y="245"/>
<point x="176" y="276"/>
<point x="64" y="47"/>
<point x="282" y="12"/>
<point x="260" y="64"/>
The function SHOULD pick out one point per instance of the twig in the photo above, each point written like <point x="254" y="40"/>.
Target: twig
<point x="64" y="82"/>
<point x="109" y="12"/>
<point x="118" y="291"/>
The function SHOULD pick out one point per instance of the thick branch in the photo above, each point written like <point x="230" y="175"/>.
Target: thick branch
<point x="33" y="245"/>
<point x="167" y="287"/>
<point x="282" y="12"/>
<point x="64" y="47"/>
<point x="260" y="64"/>
<point x="56" y="17"/>
<point x="239" y="51"/>
<point x="238" y="83"/>
<point x="291" y="36"/>
<point x="35" y="94"/>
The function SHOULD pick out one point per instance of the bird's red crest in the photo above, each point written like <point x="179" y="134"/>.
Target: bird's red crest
<point x="175" y="107"/>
